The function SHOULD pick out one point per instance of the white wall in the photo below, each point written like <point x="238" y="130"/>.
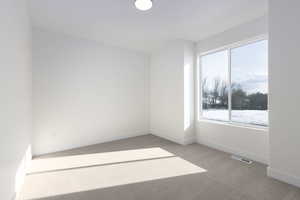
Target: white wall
<point x="15" y="94"/>
<point x="168" y="104"/>
<point x="251" y="143"/>
<point x="189" y="83"/>
<point x="236" y="34"/>
<point x="86" y="93"/>
<point x="284" y="46"/>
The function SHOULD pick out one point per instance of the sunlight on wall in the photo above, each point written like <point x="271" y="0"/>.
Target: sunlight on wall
<point x="126" y="170"/>
<point x="187" y="96"/>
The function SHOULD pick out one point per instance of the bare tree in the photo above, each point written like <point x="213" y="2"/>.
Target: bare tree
<point x="204" y="92"/>
<point x="223" y="93"/>
<point x="204" y="88"/>
<point x="215" y="93"/>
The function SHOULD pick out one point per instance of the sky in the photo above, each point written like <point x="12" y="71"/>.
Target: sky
<point x="249" y="66"/>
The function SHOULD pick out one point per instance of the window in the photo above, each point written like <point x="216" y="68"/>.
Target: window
<point x="215" y="86"/>
<point x="234" y="84"/>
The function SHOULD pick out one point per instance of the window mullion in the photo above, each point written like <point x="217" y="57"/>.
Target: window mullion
<point x="229" y="85"/>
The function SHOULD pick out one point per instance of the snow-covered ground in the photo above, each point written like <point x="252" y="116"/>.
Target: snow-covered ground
<point x="255" y="117"/>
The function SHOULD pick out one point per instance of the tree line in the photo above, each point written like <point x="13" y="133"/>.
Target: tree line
<point x="217" y="97"/>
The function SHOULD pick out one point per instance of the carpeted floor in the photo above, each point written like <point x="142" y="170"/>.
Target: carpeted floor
<point x="150" y="168"/>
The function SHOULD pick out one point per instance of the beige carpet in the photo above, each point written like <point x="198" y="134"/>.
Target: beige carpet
<point x="148" y="168"/>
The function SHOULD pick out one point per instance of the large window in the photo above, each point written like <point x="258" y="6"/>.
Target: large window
<point x="234" y="84"/>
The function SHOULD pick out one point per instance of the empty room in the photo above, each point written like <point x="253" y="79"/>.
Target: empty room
<point x="149" y="100"/>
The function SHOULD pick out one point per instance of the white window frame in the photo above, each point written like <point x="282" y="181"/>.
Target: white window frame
<point x="227" y="48"/>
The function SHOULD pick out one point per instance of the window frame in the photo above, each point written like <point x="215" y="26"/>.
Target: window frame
<point x="227" y="48"/>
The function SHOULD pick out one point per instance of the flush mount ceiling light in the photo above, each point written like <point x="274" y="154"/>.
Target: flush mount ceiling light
<point x="143" y="4"/>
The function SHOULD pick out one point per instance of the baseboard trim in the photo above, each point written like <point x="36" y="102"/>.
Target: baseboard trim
<point x="233" y="151"/>
<point x="167" y="137"/>
<point x="190" y="140"/>
<point x="282" y="176"/>
<point x="87" y="144"/>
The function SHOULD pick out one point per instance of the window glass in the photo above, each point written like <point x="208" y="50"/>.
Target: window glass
<point x="249" y="83"/>
<point x="214" y="82"/>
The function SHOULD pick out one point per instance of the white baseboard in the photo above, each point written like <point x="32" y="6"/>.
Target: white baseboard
<point x="182" y="141"/>
<point x="189" y="140"/>
<point x="282" y="176"/>
<point x="112" y="138"/>
<point x="233" y="151"/>
<point x="165" y="135"/>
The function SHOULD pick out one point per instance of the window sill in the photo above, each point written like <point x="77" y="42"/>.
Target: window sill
<point x="235" y="124"/>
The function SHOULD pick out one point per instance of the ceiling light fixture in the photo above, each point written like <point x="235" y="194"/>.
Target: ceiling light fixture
<point x="143" y="4"/>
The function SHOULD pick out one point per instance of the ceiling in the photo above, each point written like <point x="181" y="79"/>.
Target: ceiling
<point x="118" y="23"/>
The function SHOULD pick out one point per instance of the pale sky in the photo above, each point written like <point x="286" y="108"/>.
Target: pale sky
<point x="249" y="66"/>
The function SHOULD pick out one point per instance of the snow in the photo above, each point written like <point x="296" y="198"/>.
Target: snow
<point x="254" y="117"/>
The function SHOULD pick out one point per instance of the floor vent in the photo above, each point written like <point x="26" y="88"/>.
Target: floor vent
<point x="241" y="159"/>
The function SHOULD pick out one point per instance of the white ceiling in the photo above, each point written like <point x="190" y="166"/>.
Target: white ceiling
<point x="118" y="23"/>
